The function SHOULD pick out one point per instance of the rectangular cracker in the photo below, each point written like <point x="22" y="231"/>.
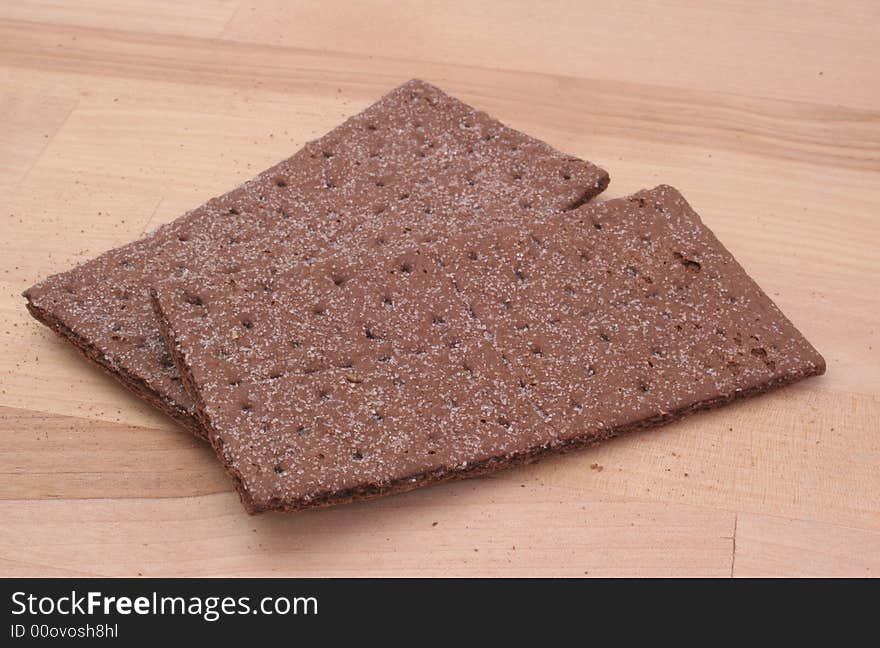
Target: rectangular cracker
<point x="417" y="165"/>
<point x="359" y="376"/>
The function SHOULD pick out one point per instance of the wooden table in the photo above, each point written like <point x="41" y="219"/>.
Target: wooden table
<point x="113" y="121"/>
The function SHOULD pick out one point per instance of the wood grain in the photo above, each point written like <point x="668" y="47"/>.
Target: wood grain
<point x="30" y="120"/>
<point x="116" y="119"/>
<point x="466" y="529"/>
<point x="789" y="49"/>
<point x="46" y="456"/>
<point x="768" y="546"/>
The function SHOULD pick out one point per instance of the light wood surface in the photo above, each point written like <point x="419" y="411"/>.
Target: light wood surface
<point x="117" y="117"/>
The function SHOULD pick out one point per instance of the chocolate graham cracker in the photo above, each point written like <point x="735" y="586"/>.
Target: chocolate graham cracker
<point x="417" y="165"/>
<point x="384" y="370"/>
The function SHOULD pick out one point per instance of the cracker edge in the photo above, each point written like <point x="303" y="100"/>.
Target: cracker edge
<point x="131" y="382"/>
